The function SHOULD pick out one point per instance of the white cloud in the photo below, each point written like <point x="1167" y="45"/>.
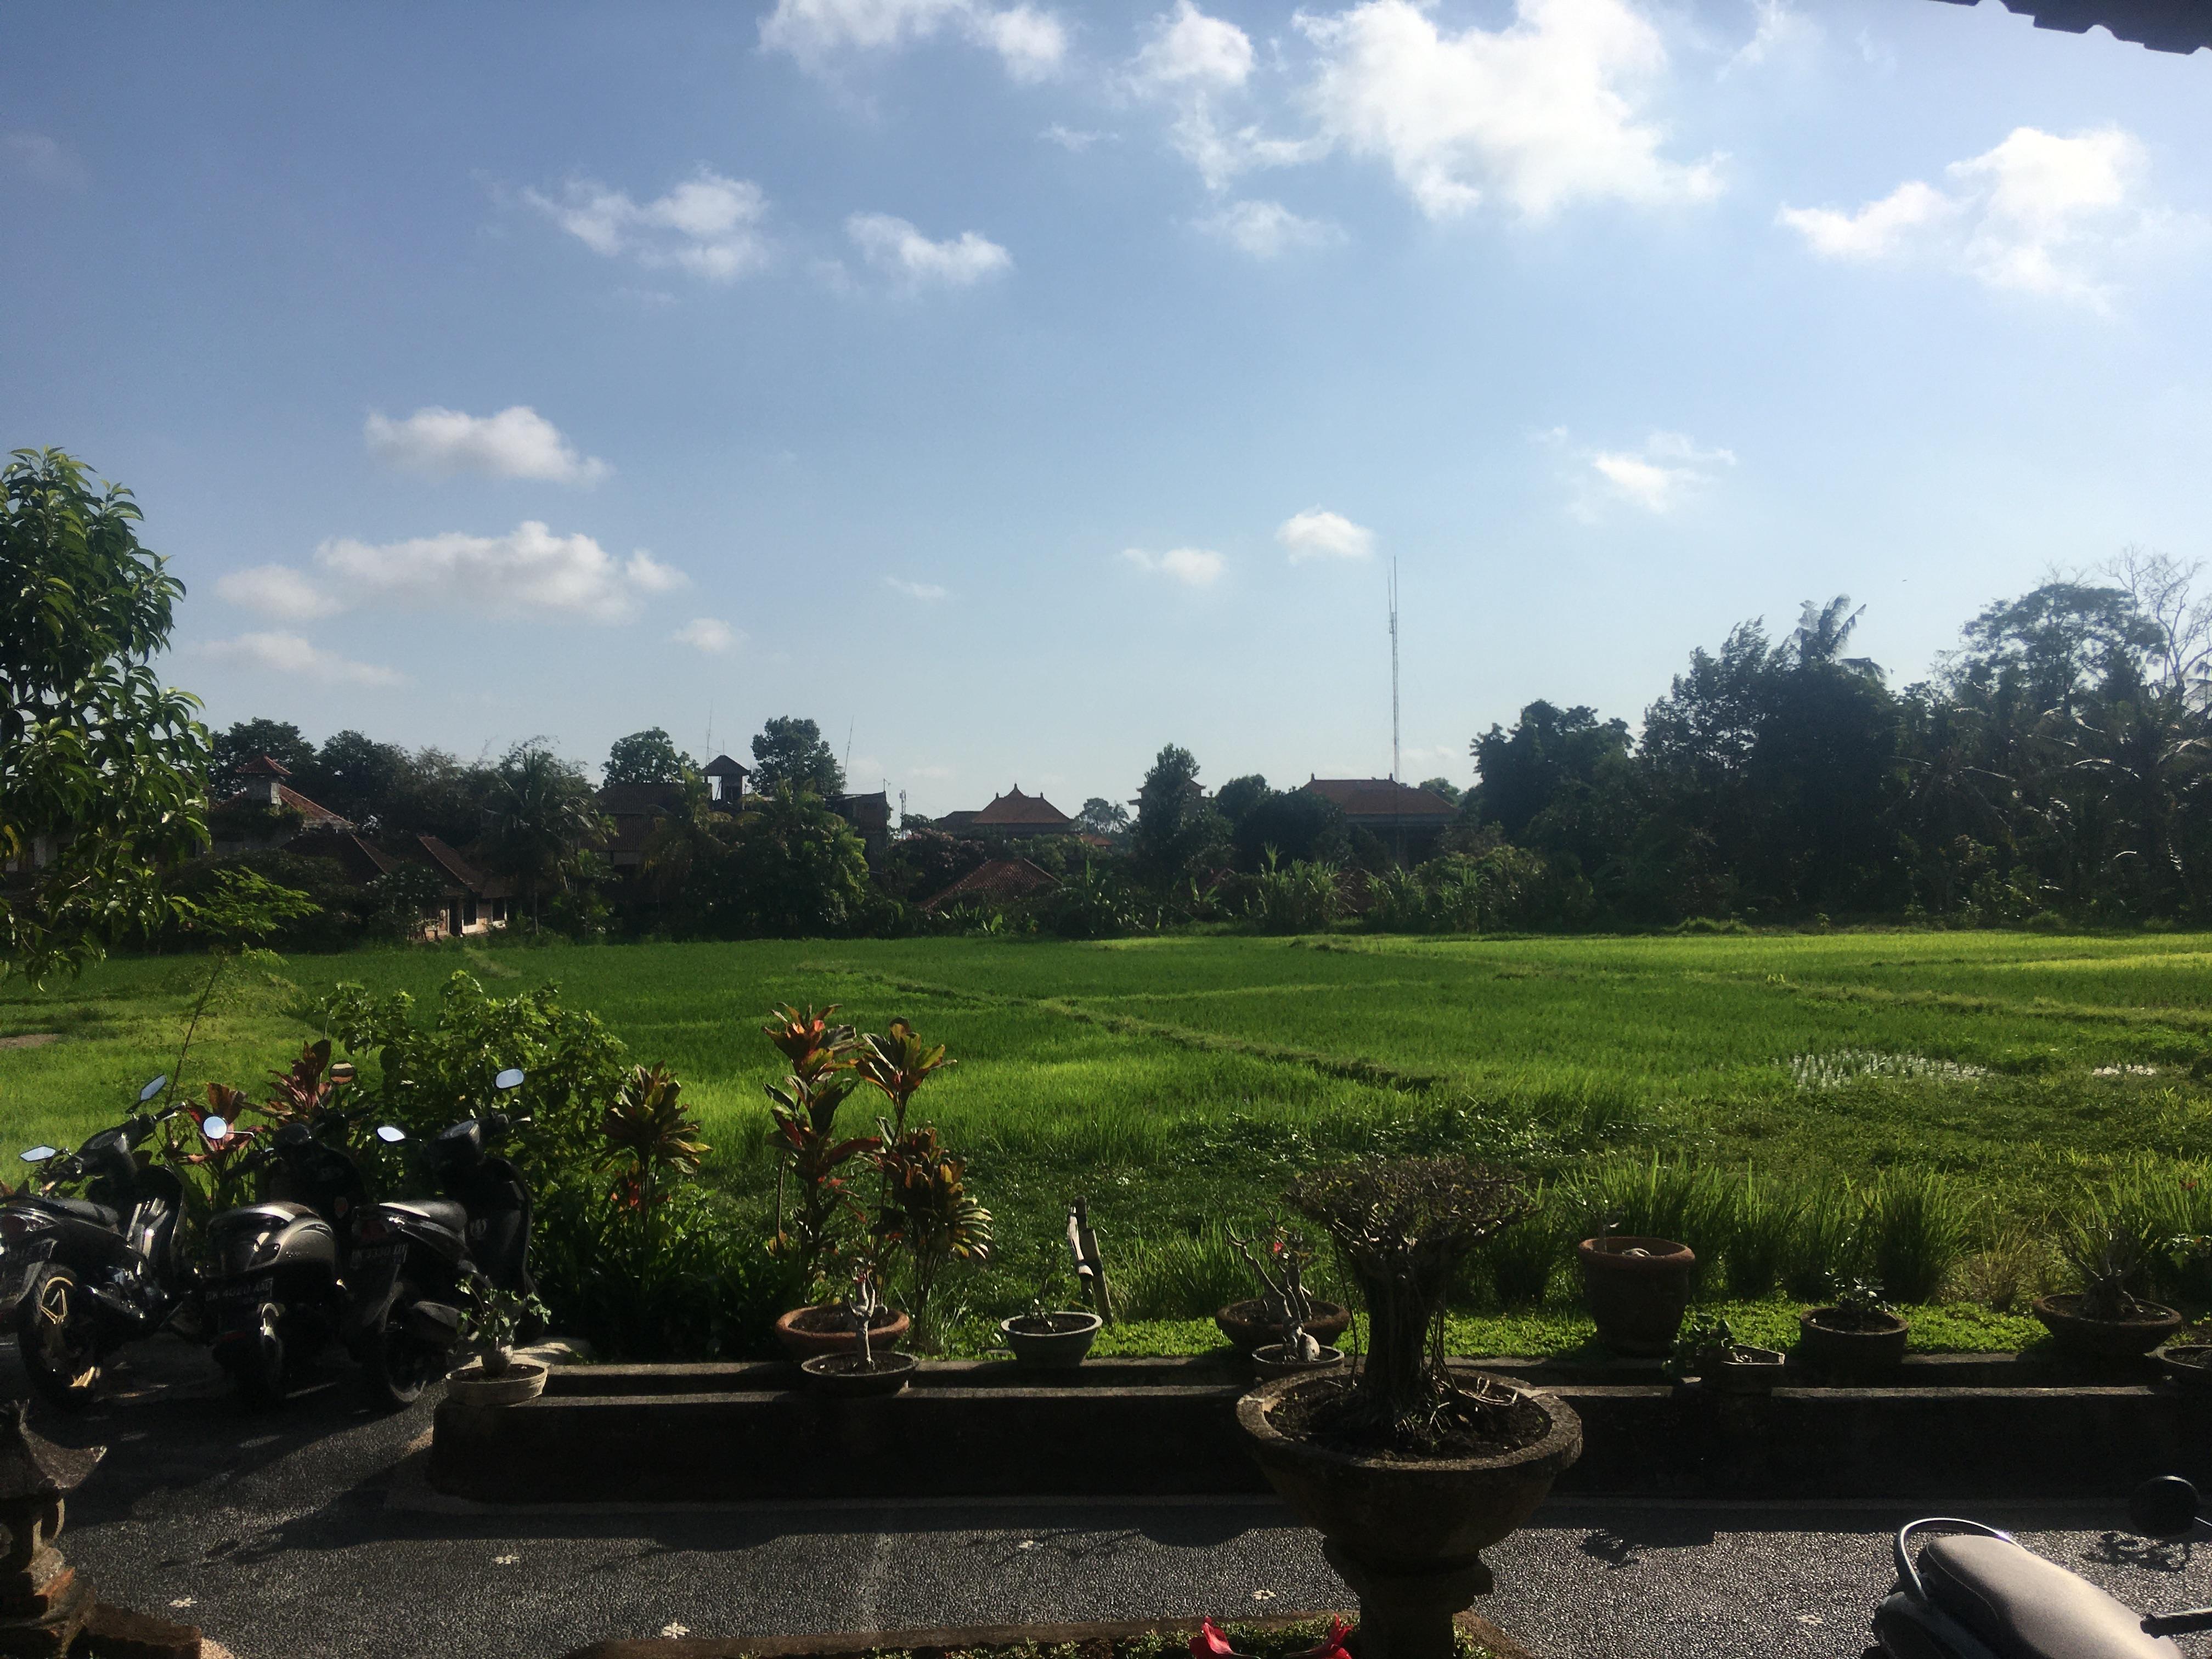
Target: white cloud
<point x="1194" y="566"/>
<point x="41" y="160"/>
<point x="1187" y="48"/>
<point x="2039" y="213"/>
<point x="528" y="572"/>
<point x="1031" y="44"/>
<point x="916" y="590"/>
<point x="1661" y="475"/>
<point x="1782" y="31"/>
<point x="301" y="658"/>
<point x="1071" y="138"/>
<point x="1544" y="112"/>
<point x="709" y="225"/>
<point x="709" y="634"/>
<point x="1317" y="533"/>
<point x="1268" y="229"/>
<point x="515" y="443"/>
<point x="891" y="244"/>
<point x="278" y="591"/>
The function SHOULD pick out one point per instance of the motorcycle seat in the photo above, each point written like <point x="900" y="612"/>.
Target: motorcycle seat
<point x="439" y="1211"/>
<point x="77" y="1209"/>
<point x="2028" y="1607"/>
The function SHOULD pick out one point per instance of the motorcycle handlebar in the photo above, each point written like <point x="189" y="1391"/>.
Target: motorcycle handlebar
<point x="2178" y="1624"/>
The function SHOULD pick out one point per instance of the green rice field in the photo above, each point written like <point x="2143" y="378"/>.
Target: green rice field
<point x="1177" y="1082"/>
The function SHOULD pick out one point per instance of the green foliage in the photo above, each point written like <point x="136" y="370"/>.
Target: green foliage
<point x="426" y="1075"/>
<point x="1294" y="898"/>
<point x="1915" y="1228"/>
<point x="404" y="900"/>
<point x="90" y="739"/>
<point x="647" y="756"/>
<point x="1090" y="903"/>
<point x="246" y="741"/>
<point x="1177" y="831"/>
<point x="787" y="868"/>
<point x="539" y="812"/>
<point x="1181" y="1276"/>
<point x="790" y="754"/>
<point x="1762" y="1222"/>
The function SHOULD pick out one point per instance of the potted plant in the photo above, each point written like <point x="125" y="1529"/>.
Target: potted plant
<point x="1855" y="1333"/>
<point x="1259" y="1320"/>
<point x="1408" y="1467"/>
<point x="1708" y="1350"/>
<point x="1637" y="1290"/>
<point x="1299" y="1349"/>
<point x="2105" y="1318"/>
<point x="865" y="1369"/>
<point x="2188" y="1365"/>
<point x="1046" y="1340"/>
<point x="489" y="1325"/>
<point x="813" y="1206"/>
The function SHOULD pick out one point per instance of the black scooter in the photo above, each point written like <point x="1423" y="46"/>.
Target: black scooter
<point x="414" y="1259"/>
<point x="275" y="1290"/>
<point x="1973" y="1593"/>
<point x="83" y="1274"/>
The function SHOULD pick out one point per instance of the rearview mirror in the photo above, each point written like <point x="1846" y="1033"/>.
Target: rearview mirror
<point x="214" y="1128"/>
<point x="510" y="1078"/>
<point x="390" y="1134"/>
<point x="343" y="1072"/>
<point x="153" y="1088"/>
<point x="40" y="1154"/>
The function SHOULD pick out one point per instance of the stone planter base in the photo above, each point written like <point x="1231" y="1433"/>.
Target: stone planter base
<point x="522" y="1380"/>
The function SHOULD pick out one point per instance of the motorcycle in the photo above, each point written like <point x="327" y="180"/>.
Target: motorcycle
<point x="276" y="1292"/>
<point x="83" y="1274"/>
<point x="414" y="1259"/>
<point x="1974" y="1593"/>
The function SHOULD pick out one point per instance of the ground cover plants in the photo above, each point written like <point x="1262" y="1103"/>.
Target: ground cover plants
<point x="1180" y="1084"/>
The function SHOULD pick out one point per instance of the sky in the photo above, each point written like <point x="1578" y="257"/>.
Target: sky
<point x="1014" y="387"/>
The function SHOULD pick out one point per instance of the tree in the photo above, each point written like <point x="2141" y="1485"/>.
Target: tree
<point x="88" y="734"/>
<point x="357" y="776"/>
<point x="648" y="757"/>
<point x="1522" y="771"/>
<point x="1100" y="817"/>
<point x="248" y="741"/>
<point x="1296" y="825"/>
<point x="1441" y="786"/>
<point x="1176" y="825"/>
<point x="540" y="813"/>
<point x="1237" y="797"/>
<point x="790" y="751"/>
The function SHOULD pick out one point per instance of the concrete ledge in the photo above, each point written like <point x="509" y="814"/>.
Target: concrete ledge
<point x="1162" y="1428"/>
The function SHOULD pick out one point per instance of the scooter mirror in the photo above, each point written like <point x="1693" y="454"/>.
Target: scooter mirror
<point x="153" y="1088"/>
<point x="390" y="1134"/>
<point x="343" y="1072"/>
<point x="214" y="1128"/>
<point x="2164" y="1506"/>
<point x="510" y="1078"/>
<point x="40" y="1154"/>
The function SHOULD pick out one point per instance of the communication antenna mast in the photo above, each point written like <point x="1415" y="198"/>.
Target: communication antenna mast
<point x="1394" y="670"/>
<point x="710" y="728"/>
<point x="848" y="767"/>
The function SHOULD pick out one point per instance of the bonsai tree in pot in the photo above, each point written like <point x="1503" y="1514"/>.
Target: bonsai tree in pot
<point x="2105" y="1316"/>
<point x="864" y="1369"/>
<point x="488" y="1327"/>
<point x="1408" y="1468"/>
<point x="1288" y="1301"/>
<point x="1053" y="1338"/>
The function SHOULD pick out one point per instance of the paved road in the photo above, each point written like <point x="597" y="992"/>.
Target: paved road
<point x="308" y="1534"/>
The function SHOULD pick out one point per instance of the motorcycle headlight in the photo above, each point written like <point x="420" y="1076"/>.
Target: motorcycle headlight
<point x="21" y="1224"/>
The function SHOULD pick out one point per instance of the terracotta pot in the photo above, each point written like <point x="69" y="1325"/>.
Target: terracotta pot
<point x="1269" y="1361"/>
<point x="841" y="1373"/>
<point x="825" y="1327"/>
<point x="1637" y="1290"/>
<point x="1059" y="1347"/>
<point x="523" y="1379"/>
<point x="1830" y="1339"/>
<point x="1407" y="1534"/>
<point x="2110" y="1339"/>
<point x="1247" y="1326"/>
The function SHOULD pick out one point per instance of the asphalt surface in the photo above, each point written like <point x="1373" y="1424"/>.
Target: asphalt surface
<point x="310" y="1533"/>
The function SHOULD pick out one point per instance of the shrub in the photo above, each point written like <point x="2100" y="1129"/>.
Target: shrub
<point x="1190" y="1277"/>
<point x="1825" y="1246"/>
<point x="1292" y="898"/>
<point x="1521" y="1259"/>
<point x="1655" y="1199"/>
<point x="1761" y="1218"/>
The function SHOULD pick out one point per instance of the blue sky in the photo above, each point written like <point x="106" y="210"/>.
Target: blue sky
<point x="1019" y="386"/>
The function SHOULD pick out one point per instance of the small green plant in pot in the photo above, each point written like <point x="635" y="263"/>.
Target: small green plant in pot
<point x="1708" y="1350"/>
<point x="1046" y="1336"/>
<point x="1856" y="1333"/>
<point x="1408" y="1467"/>
<point x="2105" y="1316"/>
<point x="490" y="1325"/>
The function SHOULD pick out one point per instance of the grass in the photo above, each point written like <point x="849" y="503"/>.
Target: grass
<point x="1178" y="1082"/>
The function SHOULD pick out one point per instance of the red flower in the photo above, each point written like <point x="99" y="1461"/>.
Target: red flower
<point x="1330" y="1646"/>
<point x="1211" y="1643"/>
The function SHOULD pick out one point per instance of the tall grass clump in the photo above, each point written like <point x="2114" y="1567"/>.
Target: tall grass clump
<point x="1827" y="1244"/>
<point x="1761" y="1222"/>
<point x="1187" y="1277"/>
<point x="1654" y="1198"/>
<point x="1914" y="1229"/>
<point x="2165" y="1206"/>
<point x="1519" y="1262"/>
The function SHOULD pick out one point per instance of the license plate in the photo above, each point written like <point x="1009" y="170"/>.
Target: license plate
<point x="378" y="1256"/>
<point x="252" y="1291"/>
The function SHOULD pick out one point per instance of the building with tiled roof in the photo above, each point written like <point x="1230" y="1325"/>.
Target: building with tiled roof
<point x="472" y="902"/>
<point x="999" y="881"/>
<point x="1016" y="814"/>
<point x="266" y="786"/>
<point x="2183" y="25"/>
<point x="1407" y="820"/>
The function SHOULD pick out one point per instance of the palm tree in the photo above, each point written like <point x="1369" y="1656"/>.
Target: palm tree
<point x="540" y="812"/>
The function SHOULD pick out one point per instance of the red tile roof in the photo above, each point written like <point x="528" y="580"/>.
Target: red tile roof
<point x="1016" y="810"/>
<point x="1373" y="801"/>
<point x="999" y="881"/>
